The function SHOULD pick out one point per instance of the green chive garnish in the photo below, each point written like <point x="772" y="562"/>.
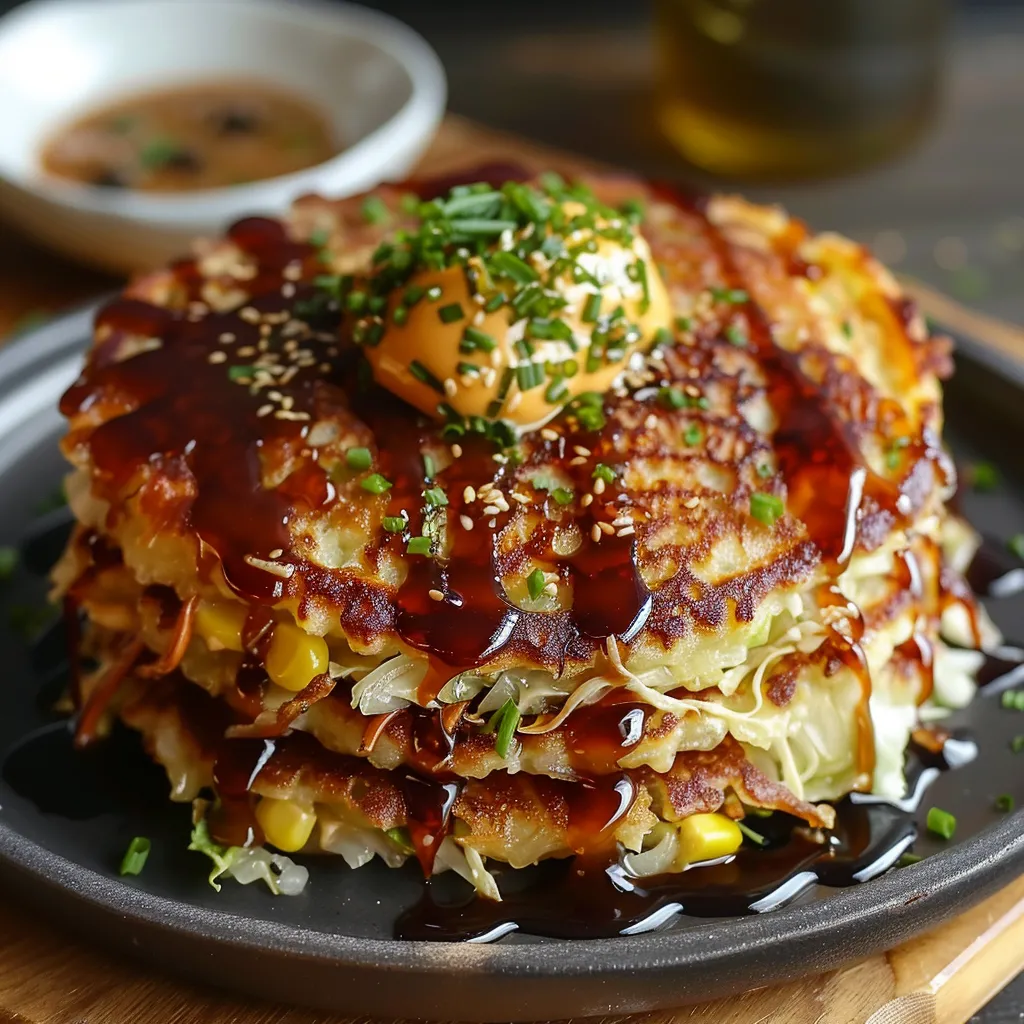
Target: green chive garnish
<point x="603" y="472"/>
<point x="765" y="507"/>
<point x="8" y="562"/>
<point x="754" y="837"/>
<point x="508" y="264"/>
<point x="1013" y="700"/>
<point x="358" y="458"/>
<point x="764" y="471"/>
<point x="1016" y="544"/>
<point x="535" y="583"/>
<point x="590" y="418"/>
<point x="421" y="373"/>
<point x="474" y="339"/>
<point x="529" y="375"/>
<point x="662" y="337"/>
<point x="940" y="822"/>
<point x="135" y="856"/>
<point x="319" y="237"/>
<point x="562" y="495"/>
<point x="435" y="497"/>
<point x="400" y="837"/>
<point x="733" y="296"/>
<point x="907" y="859"/>
<point x="505" y="721"/>
<point x="735" y="335"/>
<point x="984" y="476"/>
<point x="375" y="210"/>
<point x="450" y="313"/>
<point x="375" y="483"/>
<point x="159" y="153"/>
<point x="693" y="434"/>
<point x="847" y="329"/>
<point x="672" y="398"/>
<point x="418" y="546"/>
<point x="1005" y="803"/>
<point x="393" y="524"/>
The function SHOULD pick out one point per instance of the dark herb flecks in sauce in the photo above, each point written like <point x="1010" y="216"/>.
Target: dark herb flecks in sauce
<point x="196" y="136"/>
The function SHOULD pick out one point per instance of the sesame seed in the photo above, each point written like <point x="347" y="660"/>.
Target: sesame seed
<point x="606" y="528"/>
<point x="692" y="390"/>
<point x="226" y="338"/>
<point x="489" y="375"/>
<point x="456" y="451"/>
<point x="451" y="389"/>
<point x="586" y="500"/>
<point x="293" y="272"/>
<point x="469" y="495"/>
<point x="501" y="503"/>
<point x="287" y="402"/>
<point x="435" y="595"/>
<point x="549" y="435"/>
<point x="491" y="510"/>
<point x="513" y="402"/>
<point x="467" y="523"/>
<point x="277" y="553"/>
<point x="598" y="486"/>
<point x="247" y="350"/>
<point x="580" y="450"/>
<point x="626" y="531"/>
<point x="265" y="410"/>
<point x="492" y="523"/>
<point x="288" y="290"/>
<point x="216" y="356"/>
<point x="578" y="461"/>
<point x="595" y="533"/>
<point x="523" y="499"/>
<point x="274" y="396"/>
<point x="249" y="314"/>
<point x="284" y="571"/>
<point x="691" y="502"/>
<point x="285" y="414"/>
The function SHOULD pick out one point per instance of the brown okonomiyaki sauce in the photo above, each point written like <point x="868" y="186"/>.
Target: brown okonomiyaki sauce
<point x="183" y="412"/>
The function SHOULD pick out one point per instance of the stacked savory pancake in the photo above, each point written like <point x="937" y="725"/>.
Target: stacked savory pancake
<point x="514" y="520"/>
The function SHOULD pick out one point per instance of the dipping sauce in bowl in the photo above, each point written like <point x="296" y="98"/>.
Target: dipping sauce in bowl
<point x="196" y="136"/>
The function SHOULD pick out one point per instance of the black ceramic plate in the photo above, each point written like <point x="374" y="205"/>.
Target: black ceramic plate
<point x="64" y="822"/>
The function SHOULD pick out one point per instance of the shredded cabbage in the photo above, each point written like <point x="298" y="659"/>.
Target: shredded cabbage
<point x="283" y="877"/>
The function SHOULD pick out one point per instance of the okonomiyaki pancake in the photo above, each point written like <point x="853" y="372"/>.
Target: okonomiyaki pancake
<point x="515" y="519"/>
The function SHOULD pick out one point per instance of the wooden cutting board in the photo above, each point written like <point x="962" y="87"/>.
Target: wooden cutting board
<point x="47" y="976"/>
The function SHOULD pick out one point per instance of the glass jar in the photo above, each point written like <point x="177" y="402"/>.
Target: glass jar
<point x="784" y="88"/>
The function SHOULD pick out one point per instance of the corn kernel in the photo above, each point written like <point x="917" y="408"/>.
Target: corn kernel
<point x="220" y="624"/>
<point x="294" y="657"/>
<point x="707" y="837"/>
<point x="286" y="824"/>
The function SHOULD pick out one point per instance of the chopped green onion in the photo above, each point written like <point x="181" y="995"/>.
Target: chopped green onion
<point x="237" y="373"/>
<point x="693" y="434"/>
<point x="159" y="153"/>
<point x="735" y="335"/>
<point x="355" y="301"/>
<point x="473" y="339"/>
<point x="8" y="562"/>
<point x="450" y="313"/>
<point x="535" y="583"/>
<point x="662" y="337"/>
<point x="510" y="265"/>
<point x="733" y="296"/>
<point x="400" y="837"/>
<point x="1013" y="700"/>
<point x="556" y="391"/>
<point x="319" y="237"/>
<point x="410" y="202"/>
<point x="562" y="495"/>
<point x="672" y="398"/>
<point x="847" y="329"/>
<point x="754" y="837"/>
<point x="603" y="472"/>
<point x="435" y="497"/>
<point x="429" y="467"/>
<point x="393" y="524"/>
<point x="907" y="859"/>
<point x="590" y="417"/>
<point x="984" y="476"/>
<point x="529" y="375"/>
<point x="549" y="330"/>
<point x="422" y="374"/>
<point x="1016" y="544"/>
<point x="683" y="323"/>
<point x="505" y="720"/>
<point x="375" y="210"/>
<point x="418" y="546"/>
<point x="135" y="856"/>
<point x="482" y="226"/>
<point x="941" y="823"/>
<point x="359" y="458"/>
<point x="592" y="309"/>
<point x="1005" y="803"/>
<point x="765" y="507"/>
<point x="375" y="484"/>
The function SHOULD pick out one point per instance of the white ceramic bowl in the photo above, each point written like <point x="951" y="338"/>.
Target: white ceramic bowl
<point x="381" y="84"/>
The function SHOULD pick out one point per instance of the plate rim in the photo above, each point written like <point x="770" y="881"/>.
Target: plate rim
<point x="825" y="932"/>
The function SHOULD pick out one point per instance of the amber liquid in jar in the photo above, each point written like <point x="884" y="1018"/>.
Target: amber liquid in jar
<point x="783" y="88"/>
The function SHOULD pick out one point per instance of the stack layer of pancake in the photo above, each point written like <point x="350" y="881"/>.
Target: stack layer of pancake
<point x="745" y="557"/>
